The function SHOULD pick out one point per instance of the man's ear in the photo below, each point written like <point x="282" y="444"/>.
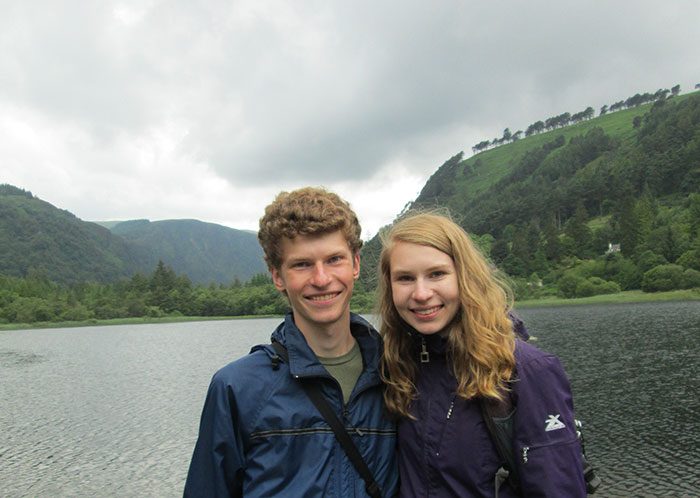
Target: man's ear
<point x="277" y="280"/>
<point x="356" y="265"/>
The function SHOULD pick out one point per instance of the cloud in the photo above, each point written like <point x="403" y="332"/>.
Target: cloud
<point x="174" y="108"/>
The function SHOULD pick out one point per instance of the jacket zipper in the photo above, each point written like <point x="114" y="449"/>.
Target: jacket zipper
<point x="447" y="420"/>
<point x="526" y="449"/>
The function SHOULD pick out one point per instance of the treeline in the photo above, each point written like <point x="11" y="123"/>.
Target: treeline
<point x="656" y="248"/>
<point x="162" y="293"/>
<point x="566" y="118"/>
<point x="37" y="299"/>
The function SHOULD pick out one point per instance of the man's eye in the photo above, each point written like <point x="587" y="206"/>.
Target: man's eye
<point x="335" y="259"/>
<point x="300" y="264"/>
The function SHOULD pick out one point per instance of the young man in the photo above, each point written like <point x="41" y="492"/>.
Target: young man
<point x="260" y="434"/>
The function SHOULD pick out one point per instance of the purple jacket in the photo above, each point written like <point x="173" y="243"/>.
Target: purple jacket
<point x="447" y="450"/>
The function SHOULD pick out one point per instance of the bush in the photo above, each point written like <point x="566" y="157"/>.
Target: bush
<point x="663" y="278"/>
<point x="691" y="279"/>
<point x="594" y="286"/>
<point x="29" y="310"/>
<point x="568" y="284"/>
<point x="690" y="259"/>
<point x="648" y="260"/>
<point x="154" y="312"/>
<point x="617" y="268"/>
<point x="76" y="313"/>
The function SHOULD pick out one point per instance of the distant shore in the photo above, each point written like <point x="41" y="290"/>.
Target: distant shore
<point x="140" y="320"/>
<point x="619" y="298"/>
<point x="635" y="296"/>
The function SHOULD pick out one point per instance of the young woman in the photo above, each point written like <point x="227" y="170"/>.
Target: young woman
<point x="449" y="347"/>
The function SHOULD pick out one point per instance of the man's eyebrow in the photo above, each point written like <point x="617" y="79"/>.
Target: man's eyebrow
<point x="298" y="259"/>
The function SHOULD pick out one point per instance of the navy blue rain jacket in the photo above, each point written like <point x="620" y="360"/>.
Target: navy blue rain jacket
<point x="260" y="435"/>
<point x="448" y="451"/>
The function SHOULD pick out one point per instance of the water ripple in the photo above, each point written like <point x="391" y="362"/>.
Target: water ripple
<point x="114" y="411"/>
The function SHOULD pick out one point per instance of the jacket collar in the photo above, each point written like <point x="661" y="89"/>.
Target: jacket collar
<point x="304" y="363"/>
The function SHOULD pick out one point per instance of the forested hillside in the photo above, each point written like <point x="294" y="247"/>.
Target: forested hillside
<point x="205" y="252"/>
<point x="587" y="208"/>
<point x="38" y="238"/>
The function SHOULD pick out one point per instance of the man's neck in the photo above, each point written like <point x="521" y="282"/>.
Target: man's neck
<point x="328" y="342"/>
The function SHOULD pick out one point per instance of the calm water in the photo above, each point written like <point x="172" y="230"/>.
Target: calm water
<point x="113" y="411"/>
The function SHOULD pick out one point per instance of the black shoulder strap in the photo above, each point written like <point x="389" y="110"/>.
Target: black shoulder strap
<point x="497" y="416"/>
<point x="313" y="391"/>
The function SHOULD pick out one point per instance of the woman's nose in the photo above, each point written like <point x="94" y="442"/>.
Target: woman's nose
<point x="422" y="292"/>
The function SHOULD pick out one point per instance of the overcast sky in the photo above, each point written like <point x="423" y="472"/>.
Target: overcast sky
<point x="183" y="109"/>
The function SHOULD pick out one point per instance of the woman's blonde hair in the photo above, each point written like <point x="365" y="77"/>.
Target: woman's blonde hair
<point x="481" y="341"/>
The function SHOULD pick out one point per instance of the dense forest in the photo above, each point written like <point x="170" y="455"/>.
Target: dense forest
<point x="602" y="205"/>
<point x="205" y="252"/>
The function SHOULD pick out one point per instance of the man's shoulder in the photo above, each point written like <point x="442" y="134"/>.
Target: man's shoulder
<point x="249" y="367"/>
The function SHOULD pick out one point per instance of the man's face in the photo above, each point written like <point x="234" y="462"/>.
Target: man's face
<point x="318" y="273"/>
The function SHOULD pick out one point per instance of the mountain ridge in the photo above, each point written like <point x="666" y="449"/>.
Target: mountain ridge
<point x="42" y="239"/>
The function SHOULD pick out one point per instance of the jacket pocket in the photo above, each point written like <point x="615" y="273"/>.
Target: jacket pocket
<point x="552" y="469"/>
<point x="526" y="451"/>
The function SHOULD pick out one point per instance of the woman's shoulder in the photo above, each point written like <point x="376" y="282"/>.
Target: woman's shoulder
<point x="530" y="358"/>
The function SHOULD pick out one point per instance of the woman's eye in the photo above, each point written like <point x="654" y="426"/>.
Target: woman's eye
<point x="437" y="274"/>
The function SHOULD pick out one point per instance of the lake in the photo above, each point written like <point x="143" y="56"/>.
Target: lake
<point x="114" y="410"/>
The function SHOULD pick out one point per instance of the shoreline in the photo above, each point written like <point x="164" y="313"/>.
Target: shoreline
<point x="139" y="320"/>
<point x="625" y="297"/>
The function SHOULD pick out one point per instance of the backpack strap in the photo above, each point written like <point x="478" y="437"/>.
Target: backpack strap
<point x="313" y="391"/>
<point x="498" y="417"/>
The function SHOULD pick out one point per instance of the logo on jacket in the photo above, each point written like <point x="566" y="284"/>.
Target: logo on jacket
<point x="553" y="423"/>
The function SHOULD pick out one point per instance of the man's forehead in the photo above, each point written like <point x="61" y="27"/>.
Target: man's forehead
<point x="313" y="244"/>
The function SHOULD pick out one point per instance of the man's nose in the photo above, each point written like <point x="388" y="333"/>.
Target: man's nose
<point x="320" y="277"/>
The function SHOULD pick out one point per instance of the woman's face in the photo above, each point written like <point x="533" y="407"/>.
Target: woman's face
<point x="424" y="286"/>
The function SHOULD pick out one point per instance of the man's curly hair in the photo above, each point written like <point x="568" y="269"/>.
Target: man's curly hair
<point x="306" y="211"/>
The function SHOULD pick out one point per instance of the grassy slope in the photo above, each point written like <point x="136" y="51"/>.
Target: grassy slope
<point x="498" y="162"/>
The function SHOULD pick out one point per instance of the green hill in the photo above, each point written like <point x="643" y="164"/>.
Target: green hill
<point x="542" y="205"/>
<point x="205" y="252"/>
<point x="38" y="238"/>
<point x="459" y="181"/>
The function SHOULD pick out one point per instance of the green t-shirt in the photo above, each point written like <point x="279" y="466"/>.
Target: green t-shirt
<point x="346" y="369"/>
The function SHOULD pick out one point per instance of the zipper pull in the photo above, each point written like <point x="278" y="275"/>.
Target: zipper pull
<point x="424" y="355"/>
<point x="525" y="450"/>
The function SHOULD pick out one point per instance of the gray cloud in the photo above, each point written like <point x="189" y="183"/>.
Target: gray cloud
<point x="273" y="93"/>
